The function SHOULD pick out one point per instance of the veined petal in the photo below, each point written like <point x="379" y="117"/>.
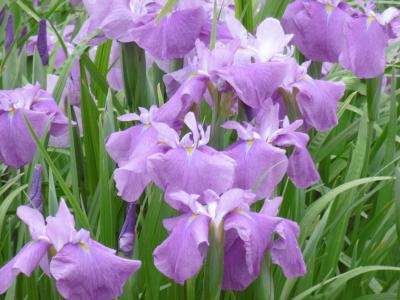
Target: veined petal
<point x="247" y="236"/>
<point x="182" y="254"/>
<point x="286" y="252"/>
<point x="18" y="147"/>
<point x="192" y="170"/>
<point x="301" y="169"/>
<point x="34" y="219"/>
<point x="259" y="166"/>
<point x="173" y="36"/>
<point x="255" y="82"/>
<point x="90" y="271"/>
<point x="365" y="47"/>
<point x="27" y="259"/>
<point x="61" y="228"/>
<point x="318" y="101"/>
<point x="317" y="29"/>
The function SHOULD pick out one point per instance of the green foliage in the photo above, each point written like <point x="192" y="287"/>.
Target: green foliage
<point x="350" y="222"/>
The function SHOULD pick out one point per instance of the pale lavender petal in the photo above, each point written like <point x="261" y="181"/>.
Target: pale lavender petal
<point x="182" y="254"/>
<point x="254" y="83"/>
<point x="234" y="199"/>
<point x="318" y="101"/>
<point x="90" y="271"/>
<point x="181" y="201"/>
<point x="317" y="29"/>
<point x="301" y="169"/>
<point x="131" y="149"/>
<point x="286" y="251"/>
<point x="34" y="219"/>
<point x="18" y="147"/>
<point x="61" y="228"/>
<point x="189" y="93"/>
<point x="173" y="36"/>
<point x="364" y="52"/>
<point x="192" y="170"/>
<point x="247" y="236"/>
<point x="271" y="207"/>
<point x="259" y="166"/>
<point x="27" y="259"/>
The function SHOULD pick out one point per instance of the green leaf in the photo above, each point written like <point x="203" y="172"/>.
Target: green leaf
<point x="318" y="206"/>
<point x="343" y="278"/>
<point x="79" y="213"/>
<point x="165" y="10"/>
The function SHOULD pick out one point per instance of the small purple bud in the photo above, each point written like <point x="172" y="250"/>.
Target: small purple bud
<point x="23" y="33"/>
<point x="42" y="42"/>
<point x="9" y="32"/>
<point x="35" y="191"/>
<point x="127" y="236"/>
<point x="2" y="14"/>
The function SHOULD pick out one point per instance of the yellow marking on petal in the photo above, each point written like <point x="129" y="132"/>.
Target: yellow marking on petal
<point x="36" y="100"/>
<point x="239" y="211"/>
<point x="12" y="112"/>
<point x="329" y="8"/>
<point x="304" y="77"/>
<point x="193" y="217"/>
<point x="31" y="243"/>
<point x="189" y="150"/>
<point x="145" y="126"/>
<point x="52" y="251"/>
<point x="249" y="143"/>
<point x="192" y="75"/>
<point x="370" y="20"/>
<point x="84" y="247"/>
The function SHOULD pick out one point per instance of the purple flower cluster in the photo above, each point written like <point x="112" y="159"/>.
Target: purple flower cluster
<point x="333" y="31"/>
<point x="17" y="147"/>
<point x="256" y="90"/>
<point x="81" y="267"/>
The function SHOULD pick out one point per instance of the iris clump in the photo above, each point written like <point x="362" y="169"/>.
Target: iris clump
<point x="226" y="149"/>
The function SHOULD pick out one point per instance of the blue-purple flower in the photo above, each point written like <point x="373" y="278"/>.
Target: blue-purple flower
<point x="260" y="161"/>
<point x="190" y="165"/>
<point x="333" y="31"/>
<point x="18" y="147"/>
<point x="81" y="267"/>
<point x="131" y="148"/>
<point x="248" y="236"/>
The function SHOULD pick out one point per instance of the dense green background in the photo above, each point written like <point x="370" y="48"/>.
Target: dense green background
<point x="350" y="223"/>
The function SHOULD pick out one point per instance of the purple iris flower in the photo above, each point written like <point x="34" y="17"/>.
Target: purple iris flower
<point x="332" y="31"/>
<point x="270" y="40"/>
<point x="190" y="165"/>
<point x="316" y="100"/>
<point x="187" y="86"/>
<point x="366" y="38"/>
<point x="261" y="164"/>
<point x="173" y="36"/>
<point x="131" y="148"/>
<point x="317" y="26"/>
<point x="18" y="147"/>
<point x="82" y="268"/>
<point x="248" y="235"/>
